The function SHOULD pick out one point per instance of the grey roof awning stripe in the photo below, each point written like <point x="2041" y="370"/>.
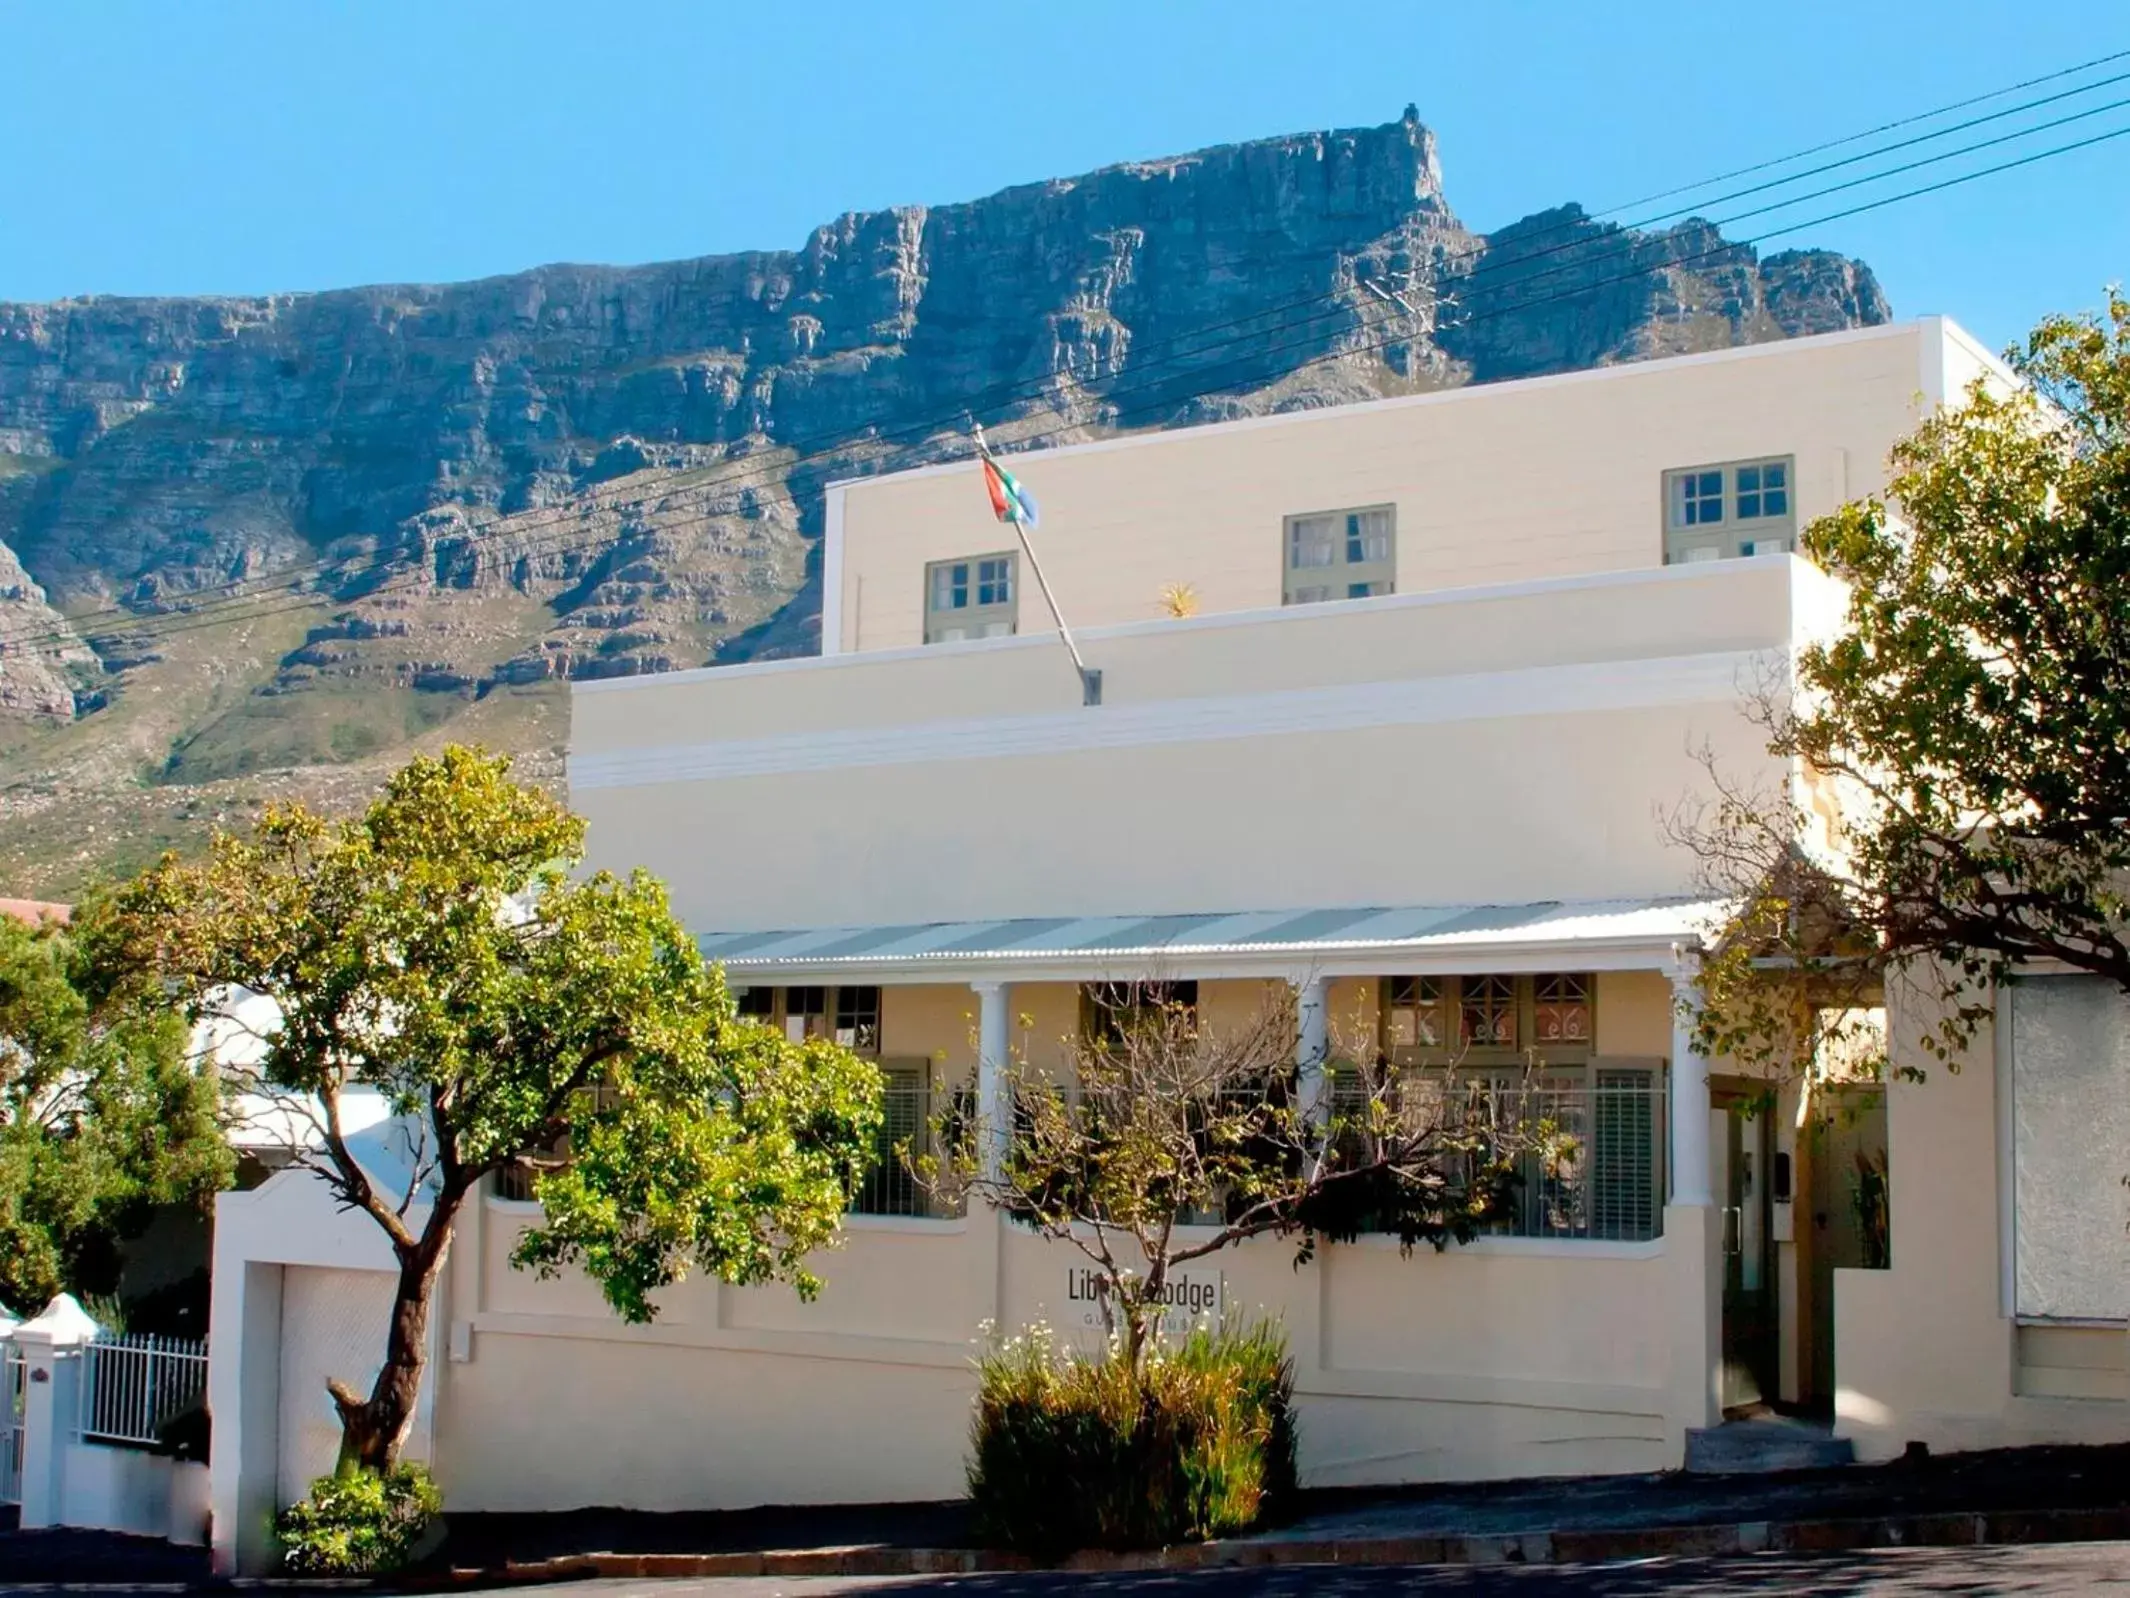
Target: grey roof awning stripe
<point x="1153" y="933"/>
<point x="866" y="940"/>
<point x="1310" y="926"/>
<point x="989" y="935"/>
<point x="724" y="945"/>
<point x="1103" y="939"/>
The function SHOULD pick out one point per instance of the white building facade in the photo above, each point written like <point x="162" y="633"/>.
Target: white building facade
<point x="1454" y="660"/>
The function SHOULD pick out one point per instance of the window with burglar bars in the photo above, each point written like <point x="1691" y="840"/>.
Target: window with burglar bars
<point x="1522" y="1049"/>
<point x="906" y="1110"/>
<point x="851" y="1016"/>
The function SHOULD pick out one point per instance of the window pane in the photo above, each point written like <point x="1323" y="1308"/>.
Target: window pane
<point x="1312" y="542"/>
<point x="1561" y="1009"/>
<point x="994" y="582"/>
<point x="1748" y="479"/>
<point x="1748" y="506"/>
<point x="1487" y="1006"/>
<point x="1415" y="1010"/>
<point x="758" y="1003"/>
<point x="858" y="1019"/>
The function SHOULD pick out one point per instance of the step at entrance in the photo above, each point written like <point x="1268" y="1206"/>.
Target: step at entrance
<point x="1763" y="1446"/>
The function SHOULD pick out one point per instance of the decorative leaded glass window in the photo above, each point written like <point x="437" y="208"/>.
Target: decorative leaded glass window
<point x="1413" y="1007"/>
<point x="1560" y="1009"/>
<point x="1487" y="1006"/>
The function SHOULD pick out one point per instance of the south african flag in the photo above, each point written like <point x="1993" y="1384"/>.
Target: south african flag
<point x="1010" y="502"/>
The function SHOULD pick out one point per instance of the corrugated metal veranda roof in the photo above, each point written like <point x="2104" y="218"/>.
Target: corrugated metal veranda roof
<point x="1295" y="937"/>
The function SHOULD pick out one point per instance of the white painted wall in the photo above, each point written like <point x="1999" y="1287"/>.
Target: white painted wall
<point x="1928" y="1350"/>
<point x="1491" y="746"/>
<point x="1551" y="476"/>
<point x="129" y="1490"/>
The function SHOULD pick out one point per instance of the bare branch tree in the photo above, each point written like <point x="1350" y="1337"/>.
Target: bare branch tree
<point x="1172" y="1140"/>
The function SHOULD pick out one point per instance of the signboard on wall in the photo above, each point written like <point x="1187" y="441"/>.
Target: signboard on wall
<point x="1191" y="1296"/>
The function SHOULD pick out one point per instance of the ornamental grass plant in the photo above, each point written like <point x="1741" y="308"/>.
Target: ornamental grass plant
<point x="1071" y="1451"/>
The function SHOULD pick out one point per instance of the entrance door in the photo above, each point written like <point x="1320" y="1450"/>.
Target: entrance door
<point x="1743" y="1143"/>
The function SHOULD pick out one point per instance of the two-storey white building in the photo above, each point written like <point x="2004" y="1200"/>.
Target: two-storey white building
<point x="1454" y="659"/>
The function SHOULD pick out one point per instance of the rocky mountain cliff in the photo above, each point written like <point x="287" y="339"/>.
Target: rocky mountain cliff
<point x="258" y="545"/>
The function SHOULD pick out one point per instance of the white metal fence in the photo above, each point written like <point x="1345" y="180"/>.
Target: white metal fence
<point x="13" y="1375"/>
<point x="132" y="1387"/>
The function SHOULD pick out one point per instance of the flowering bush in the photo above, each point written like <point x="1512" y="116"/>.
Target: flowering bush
<point x="1071" y="1452"/>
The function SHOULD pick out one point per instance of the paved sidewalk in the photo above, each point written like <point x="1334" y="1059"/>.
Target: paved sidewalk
<point x="2000" y="1482"/>
<point x="2033" y="1495"/>
<point x="100" y="1558"/>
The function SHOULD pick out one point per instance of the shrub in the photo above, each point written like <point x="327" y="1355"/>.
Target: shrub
<point x="187" y="1435"/>
<point x="358" y="1523"/>
<point x="1070" y="1452"/>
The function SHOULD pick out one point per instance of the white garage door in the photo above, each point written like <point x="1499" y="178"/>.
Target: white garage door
<point x="332" y="1324"/>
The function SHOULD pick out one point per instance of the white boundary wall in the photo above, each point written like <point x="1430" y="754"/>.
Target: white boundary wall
<point x="68" y="1481"/>
<point x="1508" y="1358"/>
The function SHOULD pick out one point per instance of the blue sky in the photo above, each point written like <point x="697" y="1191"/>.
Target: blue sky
<point x="241" y="147"/>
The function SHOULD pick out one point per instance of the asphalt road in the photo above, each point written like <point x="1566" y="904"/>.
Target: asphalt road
<point x="1888" y="1573"/>
<point x="1885" y="1573"/>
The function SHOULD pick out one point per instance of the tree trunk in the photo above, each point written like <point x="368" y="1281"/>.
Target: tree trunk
<point x="374" y="1429"/>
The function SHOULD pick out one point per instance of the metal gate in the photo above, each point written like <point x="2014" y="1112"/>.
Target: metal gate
<point x="13" y="1392"/>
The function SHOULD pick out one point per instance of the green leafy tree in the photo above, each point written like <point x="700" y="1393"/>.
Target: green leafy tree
<point x="101" y="1117"/>
<point x="1966" y="730"/>
<point x="437" y="951"/>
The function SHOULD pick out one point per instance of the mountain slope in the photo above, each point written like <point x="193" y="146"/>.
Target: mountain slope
<point x="438" y="502"/>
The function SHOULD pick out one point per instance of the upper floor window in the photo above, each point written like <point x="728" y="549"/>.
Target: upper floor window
<point x="1743" y="508"/>
<point x="1344" y="554"/>
<point x="970" y="598"/>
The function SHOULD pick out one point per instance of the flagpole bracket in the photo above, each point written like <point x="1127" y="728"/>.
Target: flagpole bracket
<point x="1090" y="685"/>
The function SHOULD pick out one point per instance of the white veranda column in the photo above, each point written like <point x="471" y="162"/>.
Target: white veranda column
<point x="1689" y="1086"/>
<point x="1312" y="1044"/>
<point x="994" y="1113"/>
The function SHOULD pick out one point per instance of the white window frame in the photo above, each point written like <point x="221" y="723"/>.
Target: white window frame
<point x="1339" y="575"/>
<point x="1000" y="618"/>
<point x="1732" y="533"/>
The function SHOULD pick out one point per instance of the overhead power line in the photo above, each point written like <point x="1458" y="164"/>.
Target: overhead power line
<point x="1336" y="305"/>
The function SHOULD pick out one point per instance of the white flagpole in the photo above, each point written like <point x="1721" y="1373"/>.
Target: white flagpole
<point x="1090" y="681"/>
